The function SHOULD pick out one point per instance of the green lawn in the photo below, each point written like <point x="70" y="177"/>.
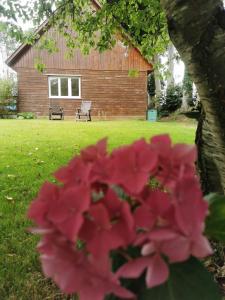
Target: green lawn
<point x="30" y="151"/>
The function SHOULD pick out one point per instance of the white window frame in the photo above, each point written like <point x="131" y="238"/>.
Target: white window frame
<point x="59" y="87"/>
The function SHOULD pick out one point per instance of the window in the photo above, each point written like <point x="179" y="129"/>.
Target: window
<point x="64" y="87"/>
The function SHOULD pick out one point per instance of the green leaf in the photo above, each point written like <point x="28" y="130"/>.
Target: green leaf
<point x="187" y="281"/>
<point x="215" y="223"/>
<point x="133" y="73"/>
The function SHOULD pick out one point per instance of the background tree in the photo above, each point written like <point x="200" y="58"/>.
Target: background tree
<point x="198" y="35"/>
<point x="187" y="91"/>
<point x="157" y="76"/>
<point x="7" y="45"/>
<point x="151" y="90"/>
<point x="7" y="42"/>
<point x="171" y="57"/>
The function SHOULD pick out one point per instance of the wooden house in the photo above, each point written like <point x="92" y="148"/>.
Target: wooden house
<point x="102" y="78"/>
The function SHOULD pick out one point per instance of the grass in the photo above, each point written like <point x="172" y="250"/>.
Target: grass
<point x="30" y="151"/>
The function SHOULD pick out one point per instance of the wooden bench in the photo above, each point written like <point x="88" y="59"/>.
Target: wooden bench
<point x="56" y="110"/>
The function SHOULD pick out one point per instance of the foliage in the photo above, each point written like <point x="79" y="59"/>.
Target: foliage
<point x="8" y="92"/>
<point x="188" y="281"/>
<point x="10" y="12"/>
<point x="171" y="101"/>
<point x="173" y="98"/>
<point x="8" y="89"/>
<point x="26" y="115"/>
<point x="151" y="85"/>
<point x="160" y="100"/>
<point x="39" y="65"/>
<point x="187" y="84"/>
<point x="112" y="206"/>
<point x="47" y="43"/>
<point x="133" y="73"/>
<point x="188" y="89"/>
<point x="215" y="223"/>
<point x="151" y="88"/>
<point x="9" y="43"/>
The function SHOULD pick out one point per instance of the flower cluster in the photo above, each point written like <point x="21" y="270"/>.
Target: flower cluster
<point x="144" y="195"/>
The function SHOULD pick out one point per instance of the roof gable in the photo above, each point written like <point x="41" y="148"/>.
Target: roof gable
<point x="23" y="49"/>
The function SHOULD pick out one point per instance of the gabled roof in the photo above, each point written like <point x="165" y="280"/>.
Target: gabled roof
<point x="41" y="30"/>
<point x="23" y="47"/>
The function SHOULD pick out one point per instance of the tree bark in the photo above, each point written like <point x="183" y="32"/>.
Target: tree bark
<point x="185" y="98"/>
<point x="197" y="29"/>
<point x="187" y="91"/>
<point x="171" y="52"/>
<point x="157" y="76"/>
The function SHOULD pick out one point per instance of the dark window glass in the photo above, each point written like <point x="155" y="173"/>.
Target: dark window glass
<point x="75" y="86"/>
<point x="64" y="86"/>
<point x="54" y="87"/>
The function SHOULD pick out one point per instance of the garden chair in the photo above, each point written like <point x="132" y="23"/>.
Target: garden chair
<point x="56" y="110"/>
<point x="84" y="112"/>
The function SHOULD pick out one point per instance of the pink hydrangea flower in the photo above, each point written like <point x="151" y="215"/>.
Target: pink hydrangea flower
<point x="155" y="210"/>
<point x="40" y="206"/>
<point x="108" y="225"/>
<point x="134" y="165"/>
<point x="67" y="213"/>
<point x="174" y="161"/>
<point x="80" y="167"/>
<point x="76" y="272"/>
<point x="145" y="195"/>
<point x="61" y="208"/>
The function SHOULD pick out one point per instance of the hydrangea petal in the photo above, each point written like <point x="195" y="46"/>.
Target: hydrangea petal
<point x="157" y="272"/>
<point x="134" y="268"/>
<point x="201" y="247"/>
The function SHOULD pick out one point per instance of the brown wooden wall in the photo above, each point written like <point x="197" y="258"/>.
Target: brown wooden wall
<point x="115" y="59"/>
<point x="113" y="93"/>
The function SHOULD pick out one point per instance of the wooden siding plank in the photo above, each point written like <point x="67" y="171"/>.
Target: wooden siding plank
<point x="109" y="60"/>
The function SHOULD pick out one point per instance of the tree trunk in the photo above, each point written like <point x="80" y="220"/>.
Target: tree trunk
<point x="157" y="76"/>
<point x="184" y="106"/>
<point x="171" y="52"/>
<point x="187" y="91"/>
<point x="197" y="29"/>
<point x="185" y="98"/>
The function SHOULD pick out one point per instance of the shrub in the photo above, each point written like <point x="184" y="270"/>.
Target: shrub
<point x="26" y="115"/>
<point x="8" y="90"/>
<point x="161" y="100"/>
<point x="8" y="93"/>
<point x="151" y="85"/>
<point x="173" y="98"/>
<point x="171" y="101"/>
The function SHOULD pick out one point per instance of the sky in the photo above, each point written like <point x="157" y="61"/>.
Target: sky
<point x="179" y="72"/>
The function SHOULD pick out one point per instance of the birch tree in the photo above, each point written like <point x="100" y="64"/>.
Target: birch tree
<point x="187" y="91"/>
<point x="171" y="54"/>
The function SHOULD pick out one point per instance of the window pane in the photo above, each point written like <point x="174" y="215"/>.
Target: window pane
<point x="75" y="86"/>
<point x="64" y="86"/>
<point x="54" y="87"/>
